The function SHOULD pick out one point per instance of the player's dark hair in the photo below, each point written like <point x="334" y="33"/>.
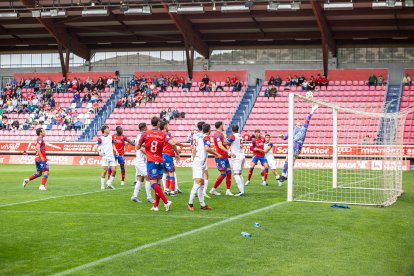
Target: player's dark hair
<point x="119" y="130"/>
<point x="200" y="125"/>
<point x="142" y="126"/>
<point x="267" y="135"/>
<point x="154" y="121"/>
<point x="163" y="124"/>
<point x="218" y="124"/>
<point x="103" y="128"/>
<point x="257" y="130"/>
<point x="235" y="128"/>
<point x="206" y="128"/>
<point x="38" y="131"/>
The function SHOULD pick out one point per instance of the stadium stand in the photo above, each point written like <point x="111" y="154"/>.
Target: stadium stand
<point x="347" y="87"/>
<point x="83" y="112"/>
<point x="407" y="101"/>
<point x="196" y="105"/>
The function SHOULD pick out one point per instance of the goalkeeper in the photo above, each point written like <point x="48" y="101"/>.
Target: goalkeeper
<point x="298" y="141"/>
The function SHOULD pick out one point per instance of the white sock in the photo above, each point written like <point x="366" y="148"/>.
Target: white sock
<point x="148" y="189"/>
<point x="201" y="196"/>
<point x="193" y="193"/>
<point x="176" y="182"/>
<point x="205" y="186"/>
<point x="137" y="188"/>
<point x="239" y="182"/>
<point x="111" y="179"/>
<point x="164" y="177"/>
<point x="103" y="182"/>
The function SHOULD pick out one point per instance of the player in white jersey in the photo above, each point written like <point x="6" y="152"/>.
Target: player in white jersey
<point x="268" y="149"/>
<point x="197" y="135"/>
<point x="237" y="158"/>
<point x="201" y="148"/>
<point x="105" y="148"/>
<point x="141" y="169"/>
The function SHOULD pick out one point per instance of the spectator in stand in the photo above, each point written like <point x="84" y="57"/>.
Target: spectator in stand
<point x="52" y="102"/>
<point x="161" y="83"/>
<point x="277" y="81"/>
<point x="4" y="123"/>
<point x="311" y="84"/>
<point x="323" y="81"/>
<point x="163" y="114"/>
<point x="380" y="80"/>
<point x="301" y="79"/>
<point x="271" y="81"/>
<point x="305" y="85"/>
<point x="96" y="107"/>
<point x="15" y="125"/>
<point x="372" y="80"/>
<point x="215" y="87"/>
<point x="406" y="81"/>
<point x="110" y="82"/>
<point x="288" y="81"/>
<point x="205" y="80"/>
<point x="271" y="91"/>
<point x="76" y="97"/>
<point x="295" y="81"/>
<point x="77" y="125"/>
<point x="234" y="80"/>
<point x="237" y="86"/>
<point x="228" y="82"/>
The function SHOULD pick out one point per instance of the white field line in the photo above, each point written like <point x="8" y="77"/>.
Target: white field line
<point x="149" y="245"/>
<point x="80" y="194"/>
<point x="110" y="214"/>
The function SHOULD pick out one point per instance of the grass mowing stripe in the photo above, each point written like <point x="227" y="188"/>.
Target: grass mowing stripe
<point x="107" y="214"/>
<point x="53" y="197"/>
<point x="145" y="246"/>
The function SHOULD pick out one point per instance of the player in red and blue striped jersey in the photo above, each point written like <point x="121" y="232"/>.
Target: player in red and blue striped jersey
<point x="119" y="140"/>
<point x="223" y="164"/>
<point x="154" y="140"/>
<point x="40" y="160"/>
<point x="258" y="155"/>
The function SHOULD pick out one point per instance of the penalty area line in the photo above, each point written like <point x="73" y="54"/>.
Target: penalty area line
<point x="149" y="245"/>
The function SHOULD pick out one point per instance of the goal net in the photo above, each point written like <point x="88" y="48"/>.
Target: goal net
<point x="352" y="152"/>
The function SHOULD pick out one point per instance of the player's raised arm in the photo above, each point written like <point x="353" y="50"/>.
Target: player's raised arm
<point x="96" y="147"/>
<point x="129" y="141"/>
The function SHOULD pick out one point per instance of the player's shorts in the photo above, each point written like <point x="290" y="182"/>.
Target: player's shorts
<point x="42" y="166"/>
<point x="237" y="164"/>
<point x="108" y="161"/>
<point x="222" y="164"/>
<point x="272" y="164"/>
<point x="155" y="170"/>
<point x="198" y="169"/>
<point x="140" y="168"/>
<point x="261" y="159"/>
<point x="120" y="159"/>
<point x="168" y="163"/>
<point x="297" y="148"/>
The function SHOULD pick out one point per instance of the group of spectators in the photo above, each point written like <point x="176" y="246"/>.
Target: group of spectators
<point x="171" y="114"/>
<point x="310" y="84"/>
<point x="160" y="83"/>
<point x="373" y="80"/>
<point x="232" y="83"/>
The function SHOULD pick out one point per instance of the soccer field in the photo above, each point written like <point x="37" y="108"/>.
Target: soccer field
<point x="75" y="228"/>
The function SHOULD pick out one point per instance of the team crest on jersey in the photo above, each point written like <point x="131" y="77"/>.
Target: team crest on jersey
<point x="154" y="171"/>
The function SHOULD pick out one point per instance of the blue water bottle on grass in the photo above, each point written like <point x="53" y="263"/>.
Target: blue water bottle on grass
<point x="245" y="234"/>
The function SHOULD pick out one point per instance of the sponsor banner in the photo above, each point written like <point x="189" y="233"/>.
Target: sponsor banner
<point x="278" y="149"/>
<point x="187" y="163"/>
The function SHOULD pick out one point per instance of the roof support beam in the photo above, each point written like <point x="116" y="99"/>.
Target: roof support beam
<point x="190" y="35"/>
<point x="61" y="34"/>
<point x="189" y="54"/>
<point x="324" y="27"/>
<point x="64" y="63"/>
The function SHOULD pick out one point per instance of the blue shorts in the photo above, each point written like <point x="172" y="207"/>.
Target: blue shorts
<point x="155" y="170"/>
<point x="168" y="163"/>
<point x="120" y="159"/>
<point x="42" y="166"/>
<point x="261" y="159"/>
<point x="222" y="164"/>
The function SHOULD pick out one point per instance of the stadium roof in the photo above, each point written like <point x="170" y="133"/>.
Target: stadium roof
<point x="65" y="24"/>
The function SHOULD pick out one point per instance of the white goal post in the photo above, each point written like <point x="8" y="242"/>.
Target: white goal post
<point x="352" y="153"/>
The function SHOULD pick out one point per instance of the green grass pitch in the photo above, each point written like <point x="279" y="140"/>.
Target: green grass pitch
<point x="74" y="224"/>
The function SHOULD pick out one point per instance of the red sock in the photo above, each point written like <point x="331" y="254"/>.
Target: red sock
<point x="228" y="180"/>
<point x="167" y="182"/>
<point x="157" y="200"/>
<point x="172" y="183"/>
<point x="158" y="191"/>
<point x="44" y="179"/>
<point x="34" y="176"/>
<point x="123" y="175"/>
<point x="250" y="174"/>
<point x="265" y="173"/>
<point x="219" y="180"/>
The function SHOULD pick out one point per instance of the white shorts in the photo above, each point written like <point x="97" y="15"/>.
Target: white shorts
<point x="140" y="168"/>
<point x="272" y="164"/>
<point x="108" y="162"/>
<point x="237" y="164"/>
<point x="198" y="169"/>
